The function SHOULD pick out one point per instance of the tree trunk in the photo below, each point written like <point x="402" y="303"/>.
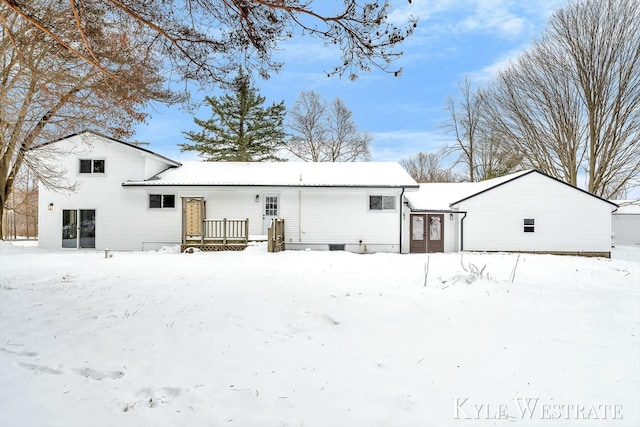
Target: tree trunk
<point x="2" y="221"/>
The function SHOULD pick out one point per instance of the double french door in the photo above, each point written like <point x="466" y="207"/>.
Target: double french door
<point x="79" y="228"/>
<point x="427" y="233"/>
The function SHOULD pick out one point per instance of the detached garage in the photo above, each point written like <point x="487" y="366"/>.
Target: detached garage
<point x="528" y="211"/>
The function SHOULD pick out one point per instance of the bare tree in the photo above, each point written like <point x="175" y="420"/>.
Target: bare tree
<point x="572" y="101"/>
<point x="427" y="167"/>
<point x="602" y="41"/>
<point x="72" y="65"/>
<point x="206" y="39"/>
<point x="481" y="150"/>
<point x="307" y="122"/>
<point x="325" y="134"/>
<point x="21" y="212"/>
<point x="46" y="92"/>
<point x="464" y="120"/>
<point x="346" y="143"/>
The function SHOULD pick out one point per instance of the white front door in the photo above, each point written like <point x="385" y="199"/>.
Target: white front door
<point x="270" y="209"/>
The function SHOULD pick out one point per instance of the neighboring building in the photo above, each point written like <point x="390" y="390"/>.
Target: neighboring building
<point x="625" y="223"/>
<point x="527" y="211"/>
<point x="129" y="198"/>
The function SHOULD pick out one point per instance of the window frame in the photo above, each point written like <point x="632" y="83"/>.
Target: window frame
<point x="92" y="166"/>
<point x="384" y="201"/>
<point x="162" y="199"/>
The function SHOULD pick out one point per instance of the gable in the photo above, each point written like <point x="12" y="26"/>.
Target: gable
<point x="87" y="136"/>
<point x="440" y="196"/>
<point x="528" y="175"/>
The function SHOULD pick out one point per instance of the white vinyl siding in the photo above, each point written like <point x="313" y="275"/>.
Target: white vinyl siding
<point x="566" y="219"/>
<point x="625" y="229"/>
<point x="122" y="216"/>
<point x="341" y="216"/>
<point x="314" y="216"/>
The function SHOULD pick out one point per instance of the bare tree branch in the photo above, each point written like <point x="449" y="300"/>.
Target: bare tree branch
<point x="572" y="101"/>
<point x="322" y="133"/>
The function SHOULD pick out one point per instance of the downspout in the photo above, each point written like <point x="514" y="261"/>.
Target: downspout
<point x="462" y="232"/>
<point x="299" y="216"/>
<point x="401" y="213"/>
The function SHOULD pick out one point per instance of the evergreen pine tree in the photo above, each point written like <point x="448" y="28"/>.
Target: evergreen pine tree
<point x="240" y="128"/>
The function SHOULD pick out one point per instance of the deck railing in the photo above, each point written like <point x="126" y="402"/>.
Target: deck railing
<point x="226" y="230"/>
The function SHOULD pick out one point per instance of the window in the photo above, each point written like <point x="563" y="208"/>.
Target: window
<point x="271" y="205"/>
<point x="162" y="201"/>
<point x="529" y="225"/>
<point x="378" y="203"/>
<point x="91" y="166"/>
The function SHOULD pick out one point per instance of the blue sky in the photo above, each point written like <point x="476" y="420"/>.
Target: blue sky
<point x="403" y="115"/>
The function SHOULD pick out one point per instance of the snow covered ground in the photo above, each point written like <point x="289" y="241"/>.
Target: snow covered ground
<point x="317" y="339"/>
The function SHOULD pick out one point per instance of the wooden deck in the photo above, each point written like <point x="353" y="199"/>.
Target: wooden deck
<point x="215" y="235"/>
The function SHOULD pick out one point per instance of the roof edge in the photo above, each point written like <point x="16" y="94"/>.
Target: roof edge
<point x="128" y="144"/>
<point x="152" y="184"/>
<point x="528" y="173"/>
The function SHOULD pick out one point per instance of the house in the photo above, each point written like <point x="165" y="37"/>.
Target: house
<point x="527" y="211"/>
<point x="625" y="223"/>
<point x="129" y="198"/>
<point x="122" y="196"/>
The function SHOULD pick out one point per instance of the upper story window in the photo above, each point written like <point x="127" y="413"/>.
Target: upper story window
<point x="529" y="225"/>
<point x="91" y="166"/>
<point x="379" y="203"/>
<point x="162" y="201"/>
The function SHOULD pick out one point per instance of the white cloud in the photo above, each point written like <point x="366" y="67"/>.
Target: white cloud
<point x="503" y="18"/>
<point x="401" y="144"/>
<point x="489" y="72"/>
<point x="307" y="50"/>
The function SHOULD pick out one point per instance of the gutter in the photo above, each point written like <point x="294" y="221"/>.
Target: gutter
<point x="148" y="183"/>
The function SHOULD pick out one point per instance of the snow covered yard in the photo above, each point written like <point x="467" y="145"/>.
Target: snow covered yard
<point x="317" y="339"/>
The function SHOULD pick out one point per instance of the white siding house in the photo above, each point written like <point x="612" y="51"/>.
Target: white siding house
<point x="523" y="212"/>
<point x="129" y="198"/>
<point x="625" y="223"/>
<point x="108" y="216"/>
<point x="125" y="197"/>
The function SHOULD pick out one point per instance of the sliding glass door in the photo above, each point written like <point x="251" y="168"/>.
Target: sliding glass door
<point x="79" y="228"/>
<point x="69" y="228"/>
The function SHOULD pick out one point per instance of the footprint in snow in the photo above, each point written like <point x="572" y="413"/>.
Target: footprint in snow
<point x="152" y="397"/>
<point x="41" y="368"/>
<point x="19" y="353"/>
<point x="99" y="375"/>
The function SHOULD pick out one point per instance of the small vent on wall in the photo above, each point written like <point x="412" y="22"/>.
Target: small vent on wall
<point x="336" y="247"/>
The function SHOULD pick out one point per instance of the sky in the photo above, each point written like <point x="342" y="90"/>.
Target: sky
<point x="403" y="115"/>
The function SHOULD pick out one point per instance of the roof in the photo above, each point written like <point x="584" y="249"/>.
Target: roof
<point x="440" y="196"/>
<point x="283" y="174"/>
<point x="128" y="144"/>
<point x="443" y="196"/>
<point x="627" y="207"/>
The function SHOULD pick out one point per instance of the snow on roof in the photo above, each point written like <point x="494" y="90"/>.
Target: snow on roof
<point x="440" y="196"/>
<point x="627" y="207"/>
<point x="297" y="174"/>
